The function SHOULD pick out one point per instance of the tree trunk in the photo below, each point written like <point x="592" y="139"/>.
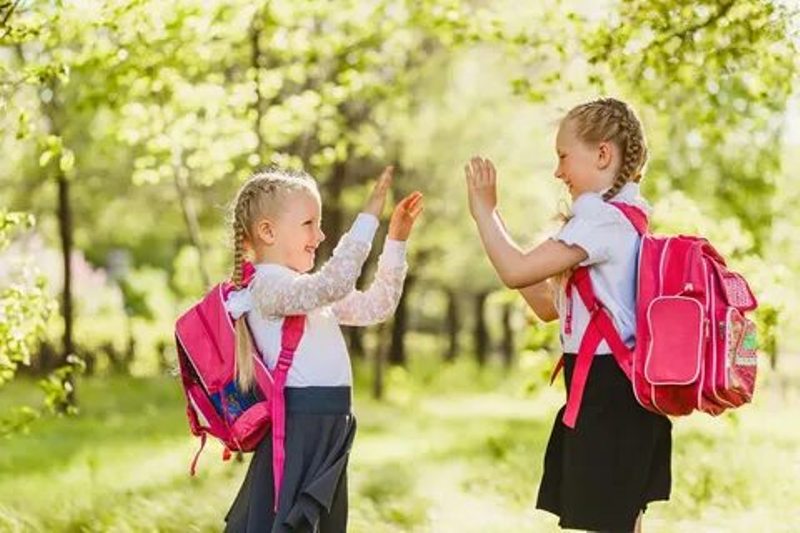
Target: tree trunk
<point x="332" y="219"/>
<point x="378" y="361"/>
<point x="51" y="112"/>
<point x="46" y="360"/>
<point x="508" y="335"/>
<point x="397" y="351"/>
<point x="355" y="342"/>
<point x="481" y="334"/>
<point x="65" y="232"/>
<point x="189" y="213"/>
<point x="130" y="349"/>
<point x="452" y="324"/>
<point x="257" y="63"/>
<point x="162" y="348"/>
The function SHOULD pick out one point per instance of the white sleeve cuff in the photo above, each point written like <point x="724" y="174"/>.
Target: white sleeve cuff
<point x="394" y="253"/>
<point x="364" y="227"/>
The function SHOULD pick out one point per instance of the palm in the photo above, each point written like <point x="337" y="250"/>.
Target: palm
<point x="481" y="179"/>
<point x="404" y="216"/>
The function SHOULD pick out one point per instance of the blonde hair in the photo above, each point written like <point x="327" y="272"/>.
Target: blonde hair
<point x="262" y="195"/>
<point x="612" y="120"/>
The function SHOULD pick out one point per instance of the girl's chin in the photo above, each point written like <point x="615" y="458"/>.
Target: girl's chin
<point x="306" y="265"/>
<point x="302" y="266"/>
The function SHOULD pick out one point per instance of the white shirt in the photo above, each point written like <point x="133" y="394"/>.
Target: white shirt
<point x="612" y="245"/>
<point x="328" y="298"/>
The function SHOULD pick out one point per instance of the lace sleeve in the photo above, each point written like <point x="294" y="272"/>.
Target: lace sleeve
<point x="279" y="291"/>
<point x="379" y="302"/>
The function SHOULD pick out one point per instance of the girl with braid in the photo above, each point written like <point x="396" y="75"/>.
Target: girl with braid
<point x="601" y="474"/>
<point x="276" y="224"/>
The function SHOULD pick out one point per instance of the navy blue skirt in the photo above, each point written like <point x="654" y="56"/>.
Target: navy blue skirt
<point x="602" y="474"/>
<point x="319" y="435"/>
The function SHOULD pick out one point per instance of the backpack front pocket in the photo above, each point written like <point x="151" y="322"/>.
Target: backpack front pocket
<point x="677" y="328"/>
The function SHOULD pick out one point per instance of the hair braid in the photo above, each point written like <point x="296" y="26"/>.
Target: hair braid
<point x="261" y="195"/>
<point x="609" y="119"/>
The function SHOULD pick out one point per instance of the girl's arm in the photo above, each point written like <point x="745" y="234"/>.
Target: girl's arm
<point x="540" y="299"/>
<point x="516" y="268"/>
<point x="279" y="291"/>
<point x="539" y="296"/>
<point x="379" y="302"/>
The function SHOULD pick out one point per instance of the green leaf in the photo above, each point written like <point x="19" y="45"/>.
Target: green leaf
<point x="67" y="161"/>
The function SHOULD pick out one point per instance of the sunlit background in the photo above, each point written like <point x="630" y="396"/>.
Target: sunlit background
<point x="127" y="127"/>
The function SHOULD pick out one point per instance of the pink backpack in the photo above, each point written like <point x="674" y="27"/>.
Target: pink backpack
<point x="206" y="343"/>
<point x="695" y="350"/>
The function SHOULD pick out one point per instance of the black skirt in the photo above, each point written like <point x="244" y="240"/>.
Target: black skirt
<point x="319" y="434"/>
<point x="602" y="474"/>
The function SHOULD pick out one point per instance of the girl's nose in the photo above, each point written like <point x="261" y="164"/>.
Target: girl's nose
<point x="320" y="236"/>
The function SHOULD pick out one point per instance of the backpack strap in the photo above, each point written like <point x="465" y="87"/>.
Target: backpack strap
<point x="600" y="327"/>
<point x="292" y="332"/>
<point x="635" y="215"/>
<point x="193" y="467"/>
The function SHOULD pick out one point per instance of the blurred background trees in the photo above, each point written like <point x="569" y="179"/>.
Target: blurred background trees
<point x="128" y="126"/>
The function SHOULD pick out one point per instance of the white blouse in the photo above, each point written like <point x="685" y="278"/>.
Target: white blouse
<point x="612" y="245"/>
<point x="328" y="298"/>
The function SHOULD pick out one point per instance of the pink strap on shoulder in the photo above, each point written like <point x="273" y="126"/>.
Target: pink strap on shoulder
<point x="599" y="328"/>
<point x="292" y="332"/>
<point x="636" y="216"/>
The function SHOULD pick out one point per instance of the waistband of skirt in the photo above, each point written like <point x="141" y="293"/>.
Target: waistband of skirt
<point x="319" y="400"/>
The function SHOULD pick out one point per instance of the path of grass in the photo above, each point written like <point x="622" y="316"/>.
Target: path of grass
<point x="438" y="462"/>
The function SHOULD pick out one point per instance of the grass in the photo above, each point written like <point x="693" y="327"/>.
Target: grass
<point x="453" y="452"/>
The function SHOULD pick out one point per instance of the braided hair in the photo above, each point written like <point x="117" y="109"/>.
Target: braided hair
<point x="609" y="119"/>
<point x="263" y="194"/>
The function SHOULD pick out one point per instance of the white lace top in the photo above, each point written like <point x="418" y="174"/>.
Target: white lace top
<point x="328" y="298"/>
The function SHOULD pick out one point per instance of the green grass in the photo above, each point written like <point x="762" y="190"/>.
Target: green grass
<point x="453" y="451"/>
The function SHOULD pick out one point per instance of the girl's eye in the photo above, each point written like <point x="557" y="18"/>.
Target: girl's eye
<point x="308" y="222"/>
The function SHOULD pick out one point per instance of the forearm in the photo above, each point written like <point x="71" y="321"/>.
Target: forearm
<point x="505" y="255"/>
<point x="540" y="299"/>
<point x="516" y="268"/>
<point x="380" y="300"/>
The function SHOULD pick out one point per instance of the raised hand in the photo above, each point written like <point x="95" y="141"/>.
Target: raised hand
<point x="404" y="215"/>
<point x="377" y="199"/>
<point x="481" y="178"/>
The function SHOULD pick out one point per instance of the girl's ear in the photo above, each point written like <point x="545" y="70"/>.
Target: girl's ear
<point x="265" y="231"/>
<point x="605" y="155"/>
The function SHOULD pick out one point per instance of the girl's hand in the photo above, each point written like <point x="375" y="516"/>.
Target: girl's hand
<point x="378" y="197"/>
<point x="481" y="186"/>
<point x="404" y="215"/>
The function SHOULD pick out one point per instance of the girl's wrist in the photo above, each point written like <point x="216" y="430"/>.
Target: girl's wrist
<point x="400" y="236"/>
<point x="484" y="214"/>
